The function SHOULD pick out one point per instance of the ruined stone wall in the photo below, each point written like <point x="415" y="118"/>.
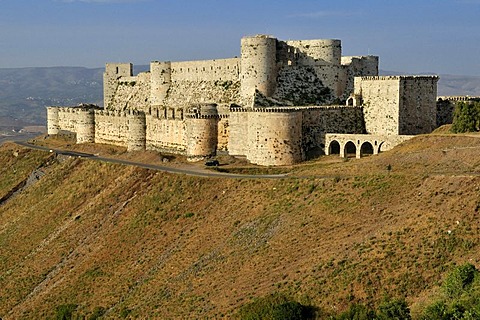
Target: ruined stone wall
<point x="418" y="112"/>
<point x="381" y="101"/>
<point x="113" y="72"/>
<point x="132" y="93"/>
<point x="111" y="127"/>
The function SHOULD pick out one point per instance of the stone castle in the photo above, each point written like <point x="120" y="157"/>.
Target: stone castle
<point x="280" y="103"/>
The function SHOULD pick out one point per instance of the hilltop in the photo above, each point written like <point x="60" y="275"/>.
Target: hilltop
<point x="143" y="244"/>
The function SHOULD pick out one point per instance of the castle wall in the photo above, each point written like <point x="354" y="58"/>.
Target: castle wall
<point x="113" y="71"/>
<point x="111" y="127"/>
<point x="132" y="92"/>
<point x="318" y="121"/>
<point x="78" y="120"/>
<point x="166" y="133"/>
<point x="355" y="66"/>
<point x="223" y="133"/>
<point x="381" y="100"/>
<point x="206" y="70"/>
<point x="418" y="113"/>
<point x="185" y="93"/>
<point x="238" y="124"/>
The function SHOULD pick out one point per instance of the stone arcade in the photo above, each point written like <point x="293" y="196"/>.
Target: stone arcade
<point x="278" y="104"/>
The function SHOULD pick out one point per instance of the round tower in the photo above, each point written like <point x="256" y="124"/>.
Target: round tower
<point x="53" y="122"/>
<point x="136" y="136"/>
<point x="161" y="78"/>
<point x="85" y="125"/>
<point x="258" y="65"/>
<point x="202" y="131"/>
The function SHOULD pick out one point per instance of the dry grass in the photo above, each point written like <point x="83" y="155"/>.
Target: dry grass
<point x="151" y="244"/>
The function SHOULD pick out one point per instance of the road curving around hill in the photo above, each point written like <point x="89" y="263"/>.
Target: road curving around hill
<point x="190" y="170"/>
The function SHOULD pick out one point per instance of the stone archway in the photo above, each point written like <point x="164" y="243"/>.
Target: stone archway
<point x="366" y="149"/>
<point x="334" y="147"/>
<point x="350" y="149"/>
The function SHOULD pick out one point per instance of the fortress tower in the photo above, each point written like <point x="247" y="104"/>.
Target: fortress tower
<point x="136" y="136"/>
<point x="259" y="66"/>
<point x="160" y="80"/>
<point x="85" y="125"/>
<point x="113" y="71"/>
<point x="202" y="131"/>
<point x="53" y="122"/>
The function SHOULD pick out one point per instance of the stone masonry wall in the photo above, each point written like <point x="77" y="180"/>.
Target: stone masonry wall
<point x="318" y="121"/>
<point x="356" y="66"/>
<point x="132" y="93"/>
<point x="381" y="99"/>
<point x="275" y="138"/>
<point x="418" y="95"/>
<point x="187" y="92"/>
<point x="166" y="134"/>
<point x="206" y="70"/>
<point x="111" y="127"/>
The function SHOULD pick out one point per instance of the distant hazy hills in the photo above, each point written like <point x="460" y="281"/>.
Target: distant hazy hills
<point x="25" y="92"/>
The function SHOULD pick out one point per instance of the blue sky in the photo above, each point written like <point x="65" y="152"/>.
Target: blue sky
<point x="411" y="36"/>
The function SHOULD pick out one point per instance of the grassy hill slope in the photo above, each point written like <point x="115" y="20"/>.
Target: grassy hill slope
<point x="144" y="244"/>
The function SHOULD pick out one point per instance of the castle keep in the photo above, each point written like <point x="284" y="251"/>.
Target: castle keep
<point x="280" y="103"/>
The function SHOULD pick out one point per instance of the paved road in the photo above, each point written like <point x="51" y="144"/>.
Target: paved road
<point x="193" y="171"/>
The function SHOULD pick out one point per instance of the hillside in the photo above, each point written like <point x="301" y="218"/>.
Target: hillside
<point x="138" y="243"/>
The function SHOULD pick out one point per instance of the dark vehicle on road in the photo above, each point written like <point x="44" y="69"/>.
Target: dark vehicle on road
<point x="212" y="163"/>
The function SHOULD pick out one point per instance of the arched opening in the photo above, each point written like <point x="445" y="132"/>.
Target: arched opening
<point x="350" y="102"/>
<point x="334" y="147"/>
<point x="350" y="150"/>
<point x="366" y="149"/>
<point x="382" y="145"/>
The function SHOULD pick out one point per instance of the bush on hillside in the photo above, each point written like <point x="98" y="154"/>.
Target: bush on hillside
<point x="459" y="280"/>
<point x="396" y="309"/>
<point x="466" y="117"/>
<point x="275" y="307"/>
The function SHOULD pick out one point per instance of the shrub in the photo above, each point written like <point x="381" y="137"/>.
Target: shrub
<point x="466" y="117"/>
<point x="459" y="280"/>
<point x="357" y="311"/>
<point x="275" y="307"/>
<point x="65" y="311"/>
<point x="394" y="309"/>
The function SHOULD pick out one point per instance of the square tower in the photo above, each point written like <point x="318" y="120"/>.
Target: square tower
<point x="401" y="105"/>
